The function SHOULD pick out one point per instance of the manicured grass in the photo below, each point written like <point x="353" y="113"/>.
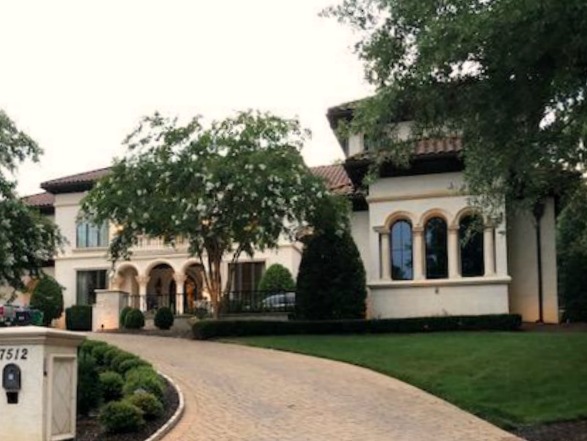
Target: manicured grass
<point x="510" y="379"/>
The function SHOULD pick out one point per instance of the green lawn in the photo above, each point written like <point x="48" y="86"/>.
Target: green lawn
<point x="511" y="379"/>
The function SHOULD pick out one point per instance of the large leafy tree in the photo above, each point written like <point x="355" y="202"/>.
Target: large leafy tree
<point x="233" y="187"/>
<point x="572" y="255"/>
<point x="508" y="76"/>
<point x="27" y="239"/>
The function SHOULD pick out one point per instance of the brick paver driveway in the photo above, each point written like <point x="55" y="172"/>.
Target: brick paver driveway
<point x="242" y="393"/>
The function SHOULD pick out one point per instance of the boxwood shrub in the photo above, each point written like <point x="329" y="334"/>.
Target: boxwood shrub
<point x="122" y="317"/>
<point x="148" y="403"/>
<point x="164" y="318"/>
<point x="78" y="318"/>
<point x="111" y="384"/>
<point x="134" y="319"/>
<point x="121" y="417"/>
<point x="207" y="329"/>
<point x="143" y="378"/>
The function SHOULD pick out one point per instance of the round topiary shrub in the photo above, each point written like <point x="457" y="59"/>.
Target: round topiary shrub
<point x="164" y="318"/>
<point x="121" y="417"/>
<point x="111" y="384"/>
<point x="134" y="319"/>
<point x="89" y="392"/>
<point x="47" y="297"/>
<point x="148" y="403"/>
<point x="123" y="313"/>
<point x="277" y="278"/>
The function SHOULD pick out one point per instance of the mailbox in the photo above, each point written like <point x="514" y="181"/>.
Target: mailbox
<point x="11" y="382"/>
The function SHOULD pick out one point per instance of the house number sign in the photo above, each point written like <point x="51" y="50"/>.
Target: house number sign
<point x="8" y="354"/>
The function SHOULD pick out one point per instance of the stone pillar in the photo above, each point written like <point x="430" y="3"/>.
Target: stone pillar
<point x="179" y="294"/>
<point x="143" y="281"/>
<point x="418" y="253"/>
<point x="106" y="311"/>
<point x="39" y="401"/>
<point x="489" y="250"/>
<point x="453" y="253"/>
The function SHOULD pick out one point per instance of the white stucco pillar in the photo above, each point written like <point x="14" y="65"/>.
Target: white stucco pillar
<point x="453" y="253"/>
<point x="418" y="252"/>
<point x="143" y="281"/>
<point x="385" y="255"/>
<point x="489" y="250"/>
<point x="179" y="294"/>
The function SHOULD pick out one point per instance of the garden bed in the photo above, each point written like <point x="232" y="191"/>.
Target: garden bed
<point x="88" y="428"/>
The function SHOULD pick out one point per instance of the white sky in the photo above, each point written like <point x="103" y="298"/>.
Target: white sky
<point x="77" y="75"/>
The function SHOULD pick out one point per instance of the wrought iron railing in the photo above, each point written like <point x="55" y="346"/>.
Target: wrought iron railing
<point x="243" y="302"/>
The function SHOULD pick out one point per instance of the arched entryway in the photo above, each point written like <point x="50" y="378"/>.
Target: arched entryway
<point x="126" y="280"/>
<point x="193" y="287"/>
<point x="161" y="288"/>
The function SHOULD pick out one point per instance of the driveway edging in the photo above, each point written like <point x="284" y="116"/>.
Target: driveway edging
<point x="175" y="418"/>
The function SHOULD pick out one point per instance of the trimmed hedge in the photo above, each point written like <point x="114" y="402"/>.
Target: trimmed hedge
<point x="123" y="313"/>
<point x="207" y="329"/>
<point x="78" y="318"/>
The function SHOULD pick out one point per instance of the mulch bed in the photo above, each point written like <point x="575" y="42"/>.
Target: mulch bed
<point x="569" y="431"/>
<point x="88" y="428"/>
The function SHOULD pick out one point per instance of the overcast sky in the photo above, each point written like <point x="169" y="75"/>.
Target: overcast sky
<point x="77" y="75"/>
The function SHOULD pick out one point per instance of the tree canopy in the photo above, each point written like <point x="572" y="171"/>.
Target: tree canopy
<point x="232" y="187"/>
<point x="27" y="239"/>
<point x="507" y="76"/>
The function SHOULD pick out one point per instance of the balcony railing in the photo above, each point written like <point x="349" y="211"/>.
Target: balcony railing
<point x="146" y="243"/>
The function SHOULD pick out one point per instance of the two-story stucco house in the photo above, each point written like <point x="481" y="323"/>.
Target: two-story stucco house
<point x="409" y="226"/>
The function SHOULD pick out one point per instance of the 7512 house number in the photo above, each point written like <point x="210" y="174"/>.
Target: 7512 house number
<point x="7" y="354"/>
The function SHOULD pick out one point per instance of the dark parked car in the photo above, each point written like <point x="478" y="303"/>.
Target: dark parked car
<point x="280" y="302"/>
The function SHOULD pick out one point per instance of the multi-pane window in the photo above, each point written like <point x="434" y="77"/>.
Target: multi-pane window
<point x="435" y="233"/>
<point x="91" y="236"/>
<point x="87" y="284"/>
<point x="401" y="251"/>
<point x="471" y="246"/>
<point x="247" y="275"/>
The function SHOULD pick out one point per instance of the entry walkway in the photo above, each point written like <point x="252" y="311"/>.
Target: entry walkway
<point x="236" y="393"/>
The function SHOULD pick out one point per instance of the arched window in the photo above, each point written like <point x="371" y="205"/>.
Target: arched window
<point x="401" y="251"/>
<point x="435" y="234"/>
<point x="471" y="246"/>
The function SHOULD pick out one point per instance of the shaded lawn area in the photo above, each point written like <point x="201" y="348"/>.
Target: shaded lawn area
<point x="510" y="379"/>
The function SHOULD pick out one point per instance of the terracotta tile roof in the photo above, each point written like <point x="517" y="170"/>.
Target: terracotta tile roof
<point x="40" y="200"/>
<point x="335" y="176"/>
<point x="429" y="147"/>
<point x="80" y="178"/>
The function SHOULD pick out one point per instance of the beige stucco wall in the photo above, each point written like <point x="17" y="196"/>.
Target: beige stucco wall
<point x="74" y="259"/>
<point x="472" y="296"/>
<point x="418" y="198"/>
<point x="524" y="269"/>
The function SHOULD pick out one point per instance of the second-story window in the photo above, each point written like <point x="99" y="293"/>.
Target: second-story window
<point x="91" y="236"/>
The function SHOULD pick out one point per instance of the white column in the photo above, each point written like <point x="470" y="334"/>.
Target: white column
<point x="489" y="250"/>
<point x="385" y="256"/>
<point x="143" y="281"/>
<point x="453" y="253"/>
<point x="418" y="252"/>
<point x="179" y="294"/>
